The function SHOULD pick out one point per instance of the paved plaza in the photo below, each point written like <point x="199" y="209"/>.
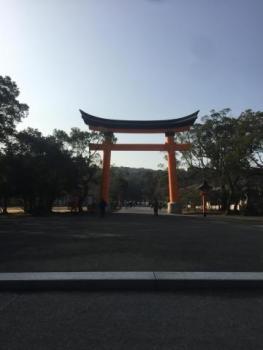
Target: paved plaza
<point x="189" y="320"/>
<point x="130" y="240"/>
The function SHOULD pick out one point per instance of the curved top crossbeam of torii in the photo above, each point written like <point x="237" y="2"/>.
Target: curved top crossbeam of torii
<point x="139" y="126"/>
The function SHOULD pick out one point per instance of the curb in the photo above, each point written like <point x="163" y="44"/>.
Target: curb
<point x="128" y="280"/>
<point x="76" y="280"/>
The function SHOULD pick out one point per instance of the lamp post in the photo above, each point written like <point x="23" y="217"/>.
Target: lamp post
<point x="204" y="188"/>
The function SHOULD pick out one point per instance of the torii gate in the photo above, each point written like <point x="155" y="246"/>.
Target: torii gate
<point x="168" y="127"/>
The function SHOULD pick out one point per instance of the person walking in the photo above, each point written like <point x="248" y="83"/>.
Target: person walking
<point x="102" y="206"/>
<point x="155" y="207"/>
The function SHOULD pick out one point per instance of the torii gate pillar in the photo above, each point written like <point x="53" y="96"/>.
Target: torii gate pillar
<point x="105" y="185"/>
<point x="173" y="204"/>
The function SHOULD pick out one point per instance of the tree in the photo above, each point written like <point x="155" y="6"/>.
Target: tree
<point x="42" y="170"/>
<point x="140" y="184"/>
<point x="226" y="148"/>
<point x="85" y="160"/>
<point x="251" y="129"/>
<point x="11" y="113"/>
<point x="11" y="110"/>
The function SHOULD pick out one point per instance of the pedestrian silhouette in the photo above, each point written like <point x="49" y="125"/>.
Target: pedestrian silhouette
<point x="155" y="207"/>
<point x="102" y="206"/>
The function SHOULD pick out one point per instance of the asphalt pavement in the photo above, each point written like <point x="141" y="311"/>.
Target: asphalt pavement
<point x="193" y="320"/>
<point x="122" y="320"/>
<point x="127" y="241"/>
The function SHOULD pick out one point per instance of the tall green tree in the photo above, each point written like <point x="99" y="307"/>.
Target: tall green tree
<point x="11" y="110"/>
<point x="226" y="148"/>
<point x="11" y="113"/>
<point x="43" y="170"/>
<point x="86" y="161"/>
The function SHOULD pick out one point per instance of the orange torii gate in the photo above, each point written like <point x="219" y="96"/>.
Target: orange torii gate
<point x="168" y="127"/>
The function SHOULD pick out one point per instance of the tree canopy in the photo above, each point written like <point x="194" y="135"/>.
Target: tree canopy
<point x="11" y="110"/>
<point x="229" y="151"/>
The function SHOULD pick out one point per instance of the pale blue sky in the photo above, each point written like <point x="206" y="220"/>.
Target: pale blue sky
<point x="132" y="59"/>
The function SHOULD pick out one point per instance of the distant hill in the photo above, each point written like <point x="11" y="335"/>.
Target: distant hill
<point x="142" y="184"/>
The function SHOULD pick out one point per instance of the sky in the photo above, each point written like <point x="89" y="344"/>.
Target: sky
<point x="131" y="59"/>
